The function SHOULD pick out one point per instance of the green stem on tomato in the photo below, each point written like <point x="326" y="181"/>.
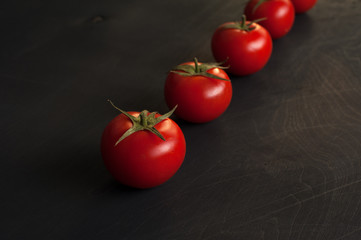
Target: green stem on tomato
<point x="144" y="121"/>
<point x="243" y="22"/>
<point x="241" y="25"/>
<point x="257" y="5"/>
<point x="188" y="70"/>
<point x="196" y="65"/>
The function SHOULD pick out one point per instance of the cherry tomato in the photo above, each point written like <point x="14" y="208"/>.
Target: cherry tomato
<point x="202" y="91"/>
<point x="246" y="46"/>
<point x="279" y="15"/>
<point x="302" y="6"/>
<point x="142" y="150"/>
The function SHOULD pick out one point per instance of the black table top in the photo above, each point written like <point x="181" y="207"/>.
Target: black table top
<point x="283" y="162"/>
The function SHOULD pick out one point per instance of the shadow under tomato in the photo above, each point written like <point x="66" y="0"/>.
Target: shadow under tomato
<point x="76" y="171"/>
<point x="302" y="27"/>
<point x="300" y="36"/>
<point x="113" y="187"/>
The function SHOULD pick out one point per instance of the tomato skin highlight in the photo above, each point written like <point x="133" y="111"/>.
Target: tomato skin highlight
<point x="279" y="14"/>
<point x="200" y="99"/>
<point x="142" y="160"/>
<point x="247" y="51"/>
<point x="302" y="6"/>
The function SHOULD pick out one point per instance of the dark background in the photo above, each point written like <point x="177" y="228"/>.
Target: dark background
<point x="283" y="162"/>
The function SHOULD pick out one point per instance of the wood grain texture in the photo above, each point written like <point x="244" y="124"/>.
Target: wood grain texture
<point x="283" y="162"/>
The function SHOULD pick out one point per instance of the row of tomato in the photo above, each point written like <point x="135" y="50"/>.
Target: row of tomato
<point x="143" y="149"/>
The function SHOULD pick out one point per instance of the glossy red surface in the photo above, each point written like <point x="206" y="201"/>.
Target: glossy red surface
<point x="279" y="15"/>
<point x="247" y="52"/>
<point x="142" y="160"/>
<point x="302" y="6"/>
<point x="200" y="99"/>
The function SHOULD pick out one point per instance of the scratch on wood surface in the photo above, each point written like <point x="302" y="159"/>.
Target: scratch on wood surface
<point x="298" y="202"/>
<point x="294" y="219"/>
<point x="349" y="234"/>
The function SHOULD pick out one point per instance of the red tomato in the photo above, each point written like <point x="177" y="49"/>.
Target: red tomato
<point x="142" y="159"/>
<point x="247" y="49"/>
<point x="201" y="95"/>
<point x="279" y="15"/>
<point x="302" y="6"/>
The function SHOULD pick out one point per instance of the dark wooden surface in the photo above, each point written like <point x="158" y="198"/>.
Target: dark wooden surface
<point x="283" y="162"/>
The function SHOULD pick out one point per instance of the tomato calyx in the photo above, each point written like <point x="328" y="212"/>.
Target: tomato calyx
<point x="145" y="121"/>
<point x="257" y="5"/>
<point x="242" y="25"/>
<point x="199" y="69"/>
